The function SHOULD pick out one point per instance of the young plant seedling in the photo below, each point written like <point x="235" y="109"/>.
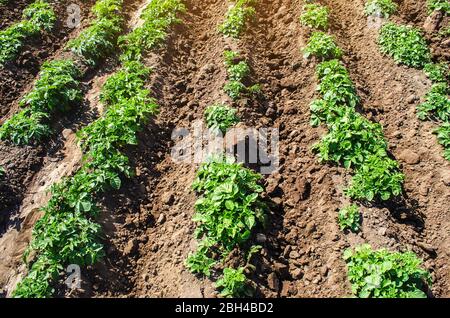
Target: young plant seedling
<point x="234" y="283"/>
<point x="380" y="8"/>
<point x="315" y="16"/>
<point x="405" y="44"/>
<point x="220" y="117"/>
<point x="322" y="46"/>
<point x="349" y="218"/>
<point x="437" y="103"/>
<point x="237" y="18"/>
<point x="385" y="274"/>
<point x="443" y="135"/>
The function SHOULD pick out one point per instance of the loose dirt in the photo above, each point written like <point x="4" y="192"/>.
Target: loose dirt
<point x="148" y="231"/>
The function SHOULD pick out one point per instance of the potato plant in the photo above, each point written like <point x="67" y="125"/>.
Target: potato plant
<point x="443" y="135"/>
<point x="158" y="16"/>
<point x="405" y="44"/>
<point x="349" y="218"/>
<point x="234" y="283"/>
<point x="67" y="233"/>
<point x="380" y="8"/>
<point x="237" y="18"/>
<point x="437" y="72"/>
<point x="230" y="207"/>
<point x="56" y="90"/>
<point x="437" y="103"/>
<point x="99" y="39"/>
<point x="385" y="274"/>
<point x="352" y="140"/>
<point x="37" y="17"/>
<point x="322" y="46"/>
<point x="315" y="16"/>
<point x="238" y="72"/>
<point x="220" y="117"/>
<point x="442" y="5"/>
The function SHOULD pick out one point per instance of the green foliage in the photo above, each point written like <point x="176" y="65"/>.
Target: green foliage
<point x="378" y="177"/>
<point x="230" y="206"/>
<point x="37" y="284"/>
<point x="442" y="5"/>
<point x="384" y="274"/>
<point x="99" y="40"/>
<point x="2" y="172"/>
<point x="96" y="42"/>
<point x="443" y="135"/>
<point x="315" y="16"/>
<point x="25" y="127"/>
<point x="352" y="140"/>
<point x="234" y="283"/>
<point x="336" y="86"/>
<point x="201" y="261"/>
<point x="437" y="72"/>
<point x="349" y="218"/>
<point x="41" y="15"/>
<point x="158" y="16"/>
<point x="238" y="72"/>
<point x="108" y="9"/>
<point x="220" y="117"/>
<point x="405" y="44"/>
<point x="57" y="89"/>
<point x="437" y="103"/>
<point x="380" y="8"/>
<point x="322" y="46"/>
<point x="66" y="234"/>
<point x="37" y="16"/>
<point x="237" y="17"/>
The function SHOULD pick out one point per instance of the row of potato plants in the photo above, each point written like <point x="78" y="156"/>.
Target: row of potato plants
<point x="36" y="18"/>
<point x="230" y="206"/>
<point x="358" y="143"/>
<point x="67" y="233"/>
<point x="407" y="45"/>
<point x="58" y="88"/>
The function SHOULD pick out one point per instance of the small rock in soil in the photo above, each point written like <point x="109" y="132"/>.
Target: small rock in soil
<point x="273" y="282"/>
<point x="432" y="22"/>
<point x="409" y="157"/>
<point x="131" y="247"/>
<point x="296" y="273"/>
<point x="310" y="228"/>
<point x="304" y="188"/>
<point x="261" y="238"/>
<point x="168" y="198"/>
<point x="281" y="269"/>
<point x="426" y="247"/>
<point x="161" y="218"/>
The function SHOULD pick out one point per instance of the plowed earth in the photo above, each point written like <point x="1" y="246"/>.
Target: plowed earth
<point x="148" y="231"/>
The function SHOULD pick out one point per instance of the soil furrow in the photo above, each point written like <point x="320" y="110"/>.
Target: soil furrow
<point x="390" y="94"/>
<point x="301" y="257"/>
<point x="32" y="170"/>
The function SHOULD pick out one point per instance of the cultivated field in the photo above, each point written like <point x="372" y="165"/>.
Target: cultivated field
<point x="355" y="199"/>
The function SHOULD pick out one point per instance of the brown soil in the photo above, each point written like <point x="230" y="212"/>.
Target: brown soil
<point x="12" y="12"/>
<point x="148" y="227"/>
